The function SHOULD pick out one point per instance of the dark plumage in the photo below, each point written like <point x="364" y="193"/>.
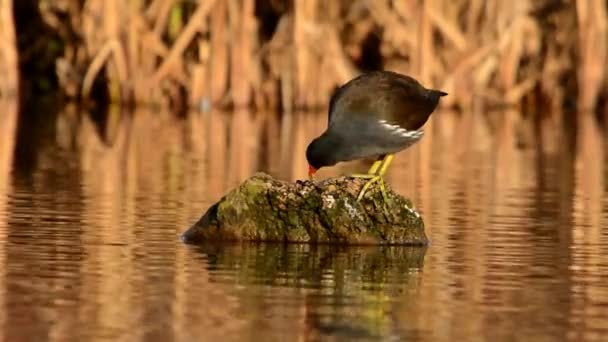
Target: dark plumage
<point x="376" y="114"/>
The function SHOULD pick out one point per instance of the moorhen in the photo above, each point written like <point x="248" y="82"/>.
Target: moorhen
<point x="374" y="115"/>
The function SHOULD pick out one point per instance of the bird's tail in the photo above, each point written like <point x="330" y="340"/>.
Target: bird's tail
<point x="434" y="95"/>
<point x="439" y="93"/>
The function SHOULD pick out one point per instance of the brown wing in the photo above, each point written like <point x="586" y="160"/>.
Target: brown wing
<point x="385" y="95"/>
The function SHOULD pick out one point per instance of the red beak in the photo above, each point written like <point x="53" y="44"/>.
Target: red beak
<point x="311" y="171"/>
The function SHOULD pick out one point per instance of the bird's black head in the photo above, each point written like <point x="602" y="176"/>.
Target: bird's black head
<point x="320" y="153"/>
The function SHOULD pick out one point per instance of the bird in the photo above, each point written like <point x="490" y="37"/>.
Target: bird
<point x="374" y="115"/>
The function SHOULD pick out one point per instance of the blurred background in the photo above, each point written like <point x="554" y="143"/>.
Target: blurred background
<point x="292" y="54"/>
<point x="121" y="122"/>
<point x="545" y="59"/>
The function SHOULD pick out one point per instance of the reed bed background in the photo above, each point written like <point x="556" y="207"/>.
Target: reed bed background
<point x="292" y="54"/>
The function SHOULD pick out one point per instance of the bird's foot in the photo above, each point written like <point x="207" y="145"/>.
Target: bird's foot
<point x="383" y="191"/>
<point x="371" y="180"/>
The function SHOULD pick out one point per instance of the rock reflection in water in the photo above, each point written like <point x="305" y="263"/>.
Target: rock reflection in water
<point x="321" y="290"/>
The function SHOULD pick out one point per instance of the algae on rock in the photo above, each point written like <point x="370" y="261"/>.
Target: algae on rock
<point x="265" y="209"/>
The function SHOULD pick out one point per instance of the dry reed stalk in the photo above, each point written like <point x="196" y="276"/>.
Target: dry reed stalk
<point x="278" y="55"/>
<point x="304" y="23"/>
<point x="199" y="88"/>
<point x="218" y="66"/>
<point x="111" y="48"/>
<point x="133" y="45"/>
<point x="400" y="26"/>
<point x="8" y="51"/>
<point x="185" y="38"/>
<point x="161" y="15"/>
<point x="425" y="34"/>
<point x="593" y="22"/>
<point x="449" y="28"/>
<point x="116" y="72"/>
<point x="242" y="23"/>
<point x="148" y="48"/>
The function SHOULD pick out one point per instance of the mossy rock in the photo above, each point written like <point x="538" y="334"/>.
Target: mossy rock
<point x="266" y="209"/>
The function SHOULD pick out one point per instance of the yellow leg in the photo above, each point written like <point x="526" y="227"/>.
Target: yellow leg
<point x="379" y="169"/>
<point x="385" y="163"/>
<point x="375" y="167"/>
<point x="366" y="186"/>
<point x="371" y="173"/>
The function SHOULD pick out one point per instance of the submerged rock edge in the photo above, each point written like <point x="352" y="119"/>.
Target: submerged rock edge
<point x="264" y="209"/>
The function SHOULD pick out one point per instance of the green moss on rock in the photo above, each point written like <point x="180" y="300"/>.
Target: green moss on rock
<point x="266" y="209"/>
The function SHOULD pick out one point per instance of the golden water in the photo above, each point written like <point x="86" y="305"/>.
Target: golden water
<point x="90" y="218"/>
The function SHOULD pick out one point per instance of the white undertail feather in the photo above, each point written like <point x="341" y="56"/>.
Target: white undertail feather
<point x="396" y="129"/>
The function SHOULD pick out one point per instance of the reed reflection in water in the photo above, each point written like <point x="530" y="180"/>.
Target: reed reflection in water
<point x="90" y="217"/>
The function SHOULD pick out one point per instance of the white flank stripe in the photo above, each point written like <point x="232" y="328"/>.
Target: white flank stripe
<point x="396" y="129"/>
<point x="412" y="134"/>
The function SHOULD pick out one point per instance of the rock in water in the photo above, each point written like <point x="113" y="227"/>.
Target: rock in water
<point x="266" y="209"/>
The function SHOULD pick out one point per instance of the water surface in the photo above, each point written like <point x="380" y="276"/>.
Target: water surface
<point x="91" y="213"/>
